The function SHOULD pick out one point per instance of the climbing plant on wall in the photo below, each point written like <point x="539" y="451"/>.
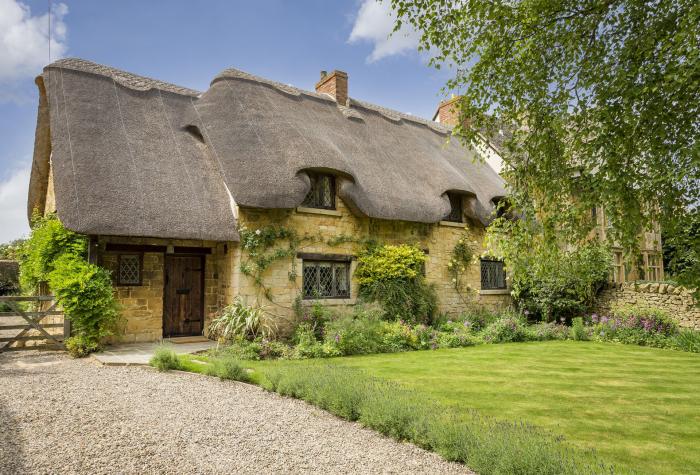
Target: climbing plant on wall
<point x="463" y="256"/>
<point x="57" y="256"/>
<point x="266" y="245"/>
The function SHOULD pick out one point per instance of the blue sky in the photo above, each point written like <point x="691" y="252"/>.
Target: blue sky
<point x="288" y="41"/>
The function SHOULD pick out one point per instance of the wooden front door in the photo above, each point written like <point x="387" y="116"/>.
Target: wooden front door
<point x="183" y="302"/>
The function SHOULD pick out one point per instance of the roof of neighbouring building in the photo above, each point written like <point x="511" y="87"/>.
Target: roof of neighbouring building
<point x="136" y="156"/>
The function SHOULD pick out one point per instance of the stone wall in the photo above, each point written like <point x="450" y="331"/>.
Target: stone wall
<point x="142" y="305"/>
<point x="677" y="301"/>
<point x="438" y="240"/>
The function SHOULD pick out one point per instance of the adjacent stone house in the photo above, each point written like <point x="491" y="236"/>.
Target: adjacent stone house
<point x="647" y="265"/>
<point x="163" y="178"/>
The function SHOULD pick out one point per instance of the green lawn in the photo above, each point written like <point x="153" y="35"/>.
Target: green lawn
<point x="639" y="407"/>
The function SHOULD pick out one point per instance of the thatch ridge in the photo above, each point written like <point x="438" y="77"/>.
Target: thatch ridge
<point x="130" y="80"/>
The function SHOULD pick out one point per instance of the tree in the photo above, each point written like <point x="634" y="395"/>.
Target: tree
<point x="600" y="100"/>
<point x="682" y="250"/>
<point x="11" y="250"/>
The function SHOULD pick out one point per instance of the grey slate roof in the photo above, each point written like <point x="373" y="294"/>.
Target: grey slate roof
<point x="128" y="157"/>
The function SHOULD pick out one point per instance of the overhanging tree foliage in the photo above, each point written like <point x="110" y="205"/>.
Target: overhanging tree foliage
<point x="602" y="98"/>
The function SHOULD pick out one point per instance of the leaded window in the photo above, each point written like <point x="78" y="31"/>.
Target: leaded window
<point x="493" y="275"/>
<point x="455" y="215"/>
<point x="322" y="192"/>
<point x="326" y="279"/>
<point x="129" y="269"/>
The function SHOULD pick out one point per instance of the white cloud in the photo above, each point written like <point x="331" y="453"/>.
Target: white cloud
<point x="24" y="39"/>
<point x="375" y="23"/>
<point x="13" y="205"/>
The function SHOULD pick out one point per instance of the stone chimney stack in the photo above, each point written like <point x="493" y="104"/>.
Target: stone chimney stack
<point x="448" y="113"/>
<point x="335" y="84"/>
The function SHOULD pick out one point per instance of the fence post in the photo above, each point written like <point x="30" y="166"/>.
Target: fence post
<point x="66" y="327"/>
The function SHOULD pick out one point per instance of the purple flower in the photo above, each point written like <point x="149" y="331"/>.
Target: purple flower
<point x="337" y="338"/>
<point x="594" y="318"/>
<point x="603" y="319"/>
<point x="526" y="312"/>
<point x="467" y="324"/>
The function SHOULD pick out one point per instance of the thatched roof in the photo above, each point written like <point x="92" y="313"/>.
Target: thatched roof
<point x="135" y="156"/>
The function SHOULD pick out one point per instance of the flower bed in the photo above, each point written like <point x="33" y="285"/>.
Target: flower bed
<point x="321" y="334"/>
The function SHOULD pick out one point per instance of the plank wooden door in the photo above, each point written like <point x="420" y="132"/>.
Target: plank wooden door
<point x="183" y="302"/>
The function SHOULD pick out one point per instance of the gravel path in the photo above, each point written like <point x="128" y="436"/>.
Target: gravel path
<point x="59" y="415"/>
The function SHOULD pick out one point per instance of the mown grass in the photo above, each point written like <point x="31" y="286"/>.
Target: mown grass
<point x="638" y="407"/>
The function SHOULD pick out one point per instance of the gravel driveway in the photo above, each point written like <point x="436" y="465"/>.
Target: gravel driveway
<point x="59" y="415"/>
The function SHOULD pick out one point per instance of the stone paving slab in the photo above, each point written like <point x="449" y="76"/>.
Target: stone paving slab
<point x="140" y="353"/>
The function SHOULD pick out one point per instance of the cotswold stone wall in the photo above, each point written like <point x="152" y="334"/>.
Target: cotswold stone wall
<point x="677" y="301"/>
<point x="142" y="305"/>
<point x="438" y="240"/>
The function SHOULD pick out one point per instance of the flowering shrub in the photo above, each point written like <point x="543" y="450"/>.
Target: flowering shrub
<point x="507" y="329"/>
<point x="548" y="279"/>
<point x="648" y="319"/>
<point x="478" y="318"/>
<point x="399" y="336"/>
<point x="383" y="263"/>
<point x="364" y="332"/>
<point x="355" y="335"/>
<point x="546" y="331"/>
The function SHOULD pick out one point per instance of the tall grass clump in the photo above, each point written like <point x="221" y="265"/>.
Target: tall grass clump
<point x="227" y="367"/>
<point x="165" y="359"/>
<point x="484" y="444"/>
<point x="688" y="340"/>
<point x="578" y="330"/>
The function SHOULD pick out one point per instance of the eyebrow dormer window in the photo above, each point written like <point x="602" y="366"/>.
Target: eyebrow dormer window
<point x="322" y="192"/>
<point x="456" y="212"/>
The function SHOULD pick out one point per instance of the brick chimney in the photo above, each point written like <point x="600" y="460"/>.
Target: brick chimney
<point x="335" y="84"/>
<point x="447" y="112"/>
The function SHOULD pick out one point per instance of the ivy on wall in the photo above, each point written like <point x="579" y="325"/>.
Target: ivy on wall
<point x="267" y="245"/>
<point x="57" y="256"/>
<point x="463" y="256"/>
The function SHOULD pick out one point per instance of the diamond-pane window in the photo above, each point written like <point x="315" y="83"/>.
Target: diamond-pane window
<point x="326" y="279"/>
<point x="322" y="192"/>
<point x="129" y="272"/>
<point x="455" y="215"/>
<point x="493" y="276"/>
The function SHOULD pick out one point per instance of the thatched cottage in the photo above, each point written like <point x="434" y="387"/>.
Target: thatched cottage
<point x="162" y="178"/>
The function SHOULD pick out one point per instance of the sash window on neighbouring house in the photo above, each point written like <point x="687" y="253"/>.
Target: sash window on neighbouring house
<point x="653" y="266"/>
<point x="618" y="270"/>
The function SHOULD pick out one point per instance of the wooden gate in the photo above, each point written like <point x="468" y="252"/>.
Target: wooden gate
<point x="29" y="323"/>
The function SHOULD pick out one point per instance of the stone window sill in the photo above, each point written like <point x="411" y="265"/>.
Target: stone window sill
<point x="452" y="224"/>
<point x="325" y="212"/>
<point x="495" y="292"/>
<point x="329" y="302"/>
